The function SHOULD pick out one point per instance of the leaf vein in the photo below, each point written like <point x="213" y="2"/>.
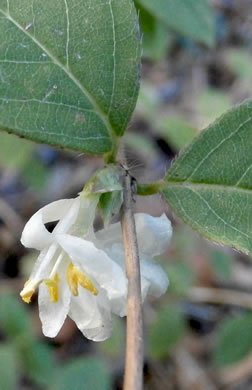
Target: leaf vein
<point x="218" y="146"/>
<point x="85" y="92"/>
<point x="218" y="216"/>
<point x="67" y="32"/>
<point x="6" y="100"/>
<point x="114" y="59"/>
<point x="243" y="175"/>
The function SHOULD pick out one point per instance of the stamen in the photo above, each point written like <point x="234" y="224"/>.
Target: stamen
<point x="53" y="288"/>
<point x="27" y="293"/>
<point x="76" y="277"/>
<point x="27" y="296"/>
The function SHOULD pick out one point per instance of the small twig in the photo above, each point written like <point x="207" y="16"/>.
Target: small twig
<point x="133" y="376"/>
<point x="236" y="372"/>
<point x="190" y="374"/>
<point x="220" y="296"/>
<point x="10" y="217"/>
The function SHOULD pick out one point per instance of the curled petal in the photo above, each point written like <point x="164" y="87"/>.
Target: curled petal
<point x="35" y="235"/>
<point x="96" y="263"/>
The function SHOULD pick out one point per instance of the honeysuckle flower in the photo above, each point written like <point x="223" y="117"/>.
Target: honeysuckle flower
<point x="80" y="273"/>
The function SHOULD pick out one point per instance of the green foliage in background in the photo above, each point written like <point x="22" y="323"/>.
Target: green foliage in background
<point x="82" y="373"/>
<point x="155" y="35"/>
<point x="177" y="132"/>
<point x="166" y="331"/>
<point x="8" y="367"/>
<point x="189" y="18"/>
<point x="19" y="154"/>
<point x="234" y="339"/>
<point x="22" y="354"/>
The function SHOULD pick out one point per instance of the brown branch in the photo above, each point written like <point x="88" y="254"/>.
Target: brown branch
<point x="133" y="376"/>
<point x="190" y="374"/>
<point x="220" y="296"/>
<point x="236" y="373"/>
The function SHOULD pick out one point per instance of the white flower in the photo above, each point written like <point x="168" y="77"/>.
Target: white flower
<point x="81" y="274"/>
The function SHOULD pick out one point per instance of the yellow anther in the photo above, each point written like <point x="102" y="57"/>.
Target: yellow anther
<point x="26" y="294"/>
<point x="85" y="282"/>
<point x="76" y="277"/>
<point x="53" y="288"/>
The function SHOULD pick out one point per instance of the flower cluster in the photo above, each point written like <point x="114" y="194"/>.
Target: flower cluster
<point x="81" y="273"/>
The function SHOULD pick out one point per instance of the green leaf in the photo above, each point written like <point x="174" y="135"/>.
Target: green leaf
<point x="69" y="71"/>
<point x="38" y="362"/>
<point x="115" y="345"/>
<point x="8" y="367"/>
<point x="156" y="37"/>
<point x="35" y="174"/>
<point x="18" y="153"/>
<point x="210" y="184"/>
<point x="194" y="19"/>
<point x="221" y="263"/>
<point x="14" y="318"/>
<point x="9" y="145"/>
<point x="83" y="374"/>
<point x="141" y="145"/>
<point x="166" y="332"/>
<point x="234" y="340"/>
<point x="181" y="277"/>
<point x="110" y="204"/>
<point x="177" y="131"/>
<point x="107" y="179"/>
<point x="212" y="103"/>
<point x="240" y="62"/>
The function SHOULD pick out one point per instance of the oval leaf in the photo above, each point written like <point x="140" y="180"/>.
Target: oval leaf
<point x="234" y="340"/>
<point x="82" y="373"/>
<point x="192" y="18"/>
<point x="69" y="71"/>
<point x="166" y="332"/>
<point x="9" y="369"/>
<point x="210" y="184"/>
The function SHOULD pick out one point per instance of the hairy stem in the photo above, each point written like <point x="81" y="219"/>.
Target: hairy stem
<point x="133" y="376"/>
<point x="149" y="189"/>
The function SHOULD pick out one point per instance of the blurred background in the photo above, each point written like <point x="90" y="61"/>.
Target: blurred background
<point x="196" y="64"/>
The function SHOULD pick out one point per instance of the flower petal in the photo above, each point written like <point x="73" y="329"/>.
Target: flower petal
<point x="156" y="276"/>
<point x="92" y="314"/>
<point x="68" y="218"/>
<point x="96" y="263"/>
<point x="43" y="266"/>
<point x="53" y="314"/>
<point x="153" y="234"/>
<point x="154" y="280"/>
<point x="86" y="214"/>
<point x="35" y="235"/>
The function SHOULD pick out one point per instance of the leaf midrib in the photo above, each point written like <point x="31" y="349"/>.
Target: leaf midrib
<point x="170" y="183"/>
<point x="68" y="72"/>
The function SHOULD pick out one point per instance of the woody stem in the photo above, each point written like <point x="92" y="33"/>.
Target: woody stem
<point x="133" y="376"/>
